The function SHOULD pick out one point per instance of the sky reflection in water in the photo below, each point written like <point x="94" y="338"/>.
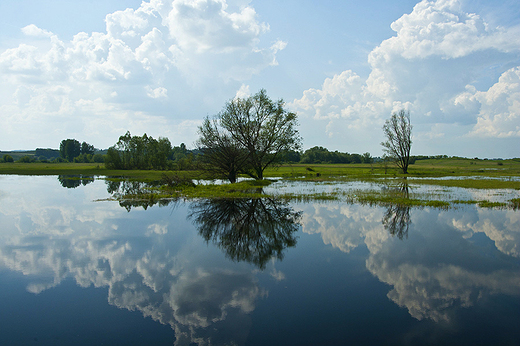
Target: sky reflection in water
<point x="254" y="272"/>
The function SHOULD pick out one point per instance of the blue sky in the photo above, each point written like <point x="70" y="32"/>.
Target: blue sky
<point x="92" y="70"/>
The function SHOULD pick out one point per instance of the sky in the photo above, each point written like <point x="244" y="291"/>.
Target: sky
<point x="94" y="69"/>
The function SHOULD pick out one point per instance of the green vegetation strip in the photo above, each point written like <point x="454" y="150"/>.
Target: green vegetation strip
<point x="470" y="183"/>
<point x="384" y="199"/>
<point x="502" y="172"/>
<point x="253" y="189"/>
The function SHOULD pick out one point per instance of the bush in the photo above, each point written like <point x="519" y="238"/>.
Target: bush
<point x="98" y="158"/>
<point x="60" y="160"/>
<point x="7" y="158"/>
<point x="26" y="159"/>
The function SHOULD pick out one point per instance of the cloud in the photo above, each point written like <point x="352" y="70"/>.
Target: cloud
<point x="499" y="114"/>
<point x="33" y="30"/>
<point x="156" y="93"/>
<point x="243" y="92"/>
<point x="437" y="65"/>
<point x="177" y="52"/>
<point x="501" y="227"/>
<point x="429" y="286"/>
<point x="345" y="227"/>
<point x="56" y="234"/>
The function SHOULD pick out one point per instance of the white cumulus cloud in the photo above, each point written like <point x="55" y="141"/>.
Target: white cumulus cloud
<point x="436" y="65"/>
<point x="174" y="51"/>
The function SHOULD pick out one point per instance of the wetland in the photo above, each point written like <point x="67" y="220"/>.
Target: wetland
<point x="314" y="261"/>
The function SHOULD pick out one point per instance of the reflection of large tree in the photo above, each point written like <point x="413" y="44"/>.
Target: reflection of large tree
<point x="252" y="230"/>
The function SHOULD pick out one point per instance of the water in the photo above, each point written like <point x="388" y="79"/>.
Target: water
<point x="77" y="269"/>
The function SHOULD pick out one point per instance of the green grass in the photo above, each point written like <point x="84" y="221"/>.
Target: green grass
<point x="372" y="197"/>
<point x="488" y="204"/>
<point x="470" y="183"/>
<point x="92" y="169"/>
<point x="421" y="169"/>
<point x="253" y="189"/>
<point x="484" y="169"/>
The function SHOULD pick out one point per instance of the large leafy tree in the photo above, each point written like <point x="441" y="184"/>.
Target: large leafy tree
<point x="69" y="149"/>
<point x="256" y="125"/>
<point x="398" y="133"/>
<point x="222" y="154"/>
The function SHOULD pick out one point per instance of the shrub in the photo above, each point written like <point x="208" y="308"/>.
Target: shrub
<point x="26" y="159"/>
<point x="7" y="158"/>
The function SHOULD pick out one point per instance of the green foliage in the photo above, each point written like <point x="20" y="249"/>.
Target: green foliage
<point x="98" y="158"/>
<point x="60" y="160"/>
<point x="367" y="158"/>
<point x="323" y="155"/>
<point x="489" y="204"/>
<point x="398" y="133"/>
<point x="223" y="155"/>
<point x="134" y="152"/>
<point x="72" y="151"/>
<point x="69" y="149"/>
<point x="26" y="159"/>
<point x="291" y="156"/>
<point x="183" y="159"/>
<point x="113" y="159"/>
<point x="87" y="149"/>
<point x="49" y="154"/>
<point x="7" y="158"/>
<point x="260" y="127"/>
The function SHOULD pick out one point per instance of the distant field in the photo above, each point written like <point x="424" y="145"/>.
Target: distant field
<point x="422" y="168"/>
<point x="433" y="168"/>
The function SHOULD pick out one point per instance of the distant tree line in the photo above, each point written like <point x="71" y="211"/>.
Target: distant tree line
<point x="71" y="150"/>
<point x="146" y="152"/>
<point x="323" y="155"/>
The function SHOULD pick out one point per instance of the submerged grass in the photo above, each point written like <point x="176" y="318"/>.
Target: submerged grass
<point x="373" y="197"/>
<point x="471" y="183"/>
<point x="470" y="173"/>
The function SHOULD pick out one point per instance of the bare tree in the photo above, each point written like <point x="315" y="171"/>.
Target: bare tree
<point x="398" y="132"/>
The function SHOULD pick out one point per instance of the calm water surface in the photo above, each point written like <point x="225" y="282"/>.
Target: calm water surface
<point x="75" y="270"/>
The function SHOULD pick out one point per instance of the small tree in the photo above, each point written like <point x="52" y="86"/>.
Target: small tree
<point x="367" y="158"/>
<point x="398" y="133"/>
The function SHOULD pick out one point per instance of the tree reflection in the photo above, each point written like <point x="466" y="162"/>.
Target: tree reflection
<point x="73" y="181"/>
<point x="133" y="194"/>
<point x="397" y="218"/>
<point x="252" y="230"/>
